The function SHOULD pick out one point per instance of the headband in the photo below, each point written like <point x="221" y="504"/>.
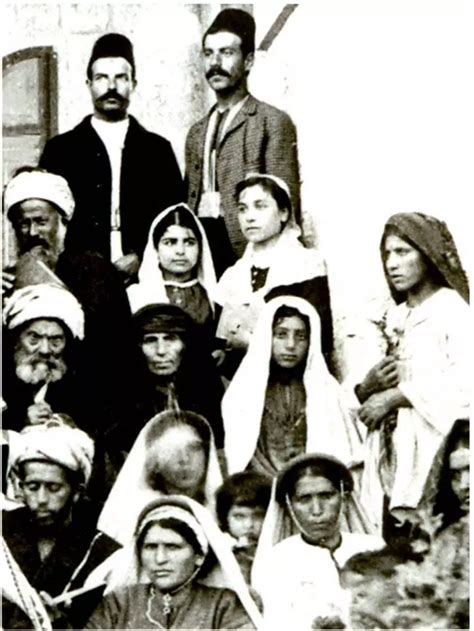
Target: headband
<point x="180" y="514"/>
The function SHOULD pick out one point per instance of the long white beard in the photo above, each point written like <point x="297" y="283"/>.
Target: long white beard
<point x="34" y="371"/>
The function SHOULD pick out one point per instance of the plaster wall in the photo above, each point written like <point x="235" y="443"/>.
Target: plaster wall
<point x="380" y="93"/>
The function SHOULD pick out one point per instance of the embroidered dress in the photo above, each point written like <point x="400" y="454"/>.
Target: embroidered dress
<point x="134" y="607"/>
<point x="192" y="296"/>
<point x="283" y="429"/>
<point x="329" y="427"/>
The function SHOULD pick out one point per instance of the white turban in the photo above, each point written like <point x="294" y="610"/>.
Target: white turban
<point x="59" y="444"/>
<point x="44" y="301"/>
<point x="39" y="185"/>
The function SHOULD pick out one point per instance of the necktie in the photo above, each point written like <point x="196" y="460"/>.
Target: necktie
<point x="220" y="119"/>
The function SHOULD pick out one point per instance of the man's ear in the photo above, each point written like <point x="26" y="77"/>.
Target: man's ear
<point x="248" y="61"/>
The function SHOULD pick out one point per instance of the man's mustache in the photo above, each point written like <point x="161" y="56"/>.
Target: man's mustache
<point x="217" y="72"/>
<point x="38" y="242"/>
<point x="112" y="94"/>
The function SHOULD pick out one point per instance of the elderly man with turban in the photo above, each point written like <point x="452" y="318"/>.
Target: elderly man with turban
<point x="40" y="207"/>
<point x="44" y="325"/>
<point x="53" y="537"/>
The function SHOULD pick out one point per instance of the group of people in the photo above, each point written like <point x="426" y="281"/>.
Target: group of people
<point x="177" y="450"/>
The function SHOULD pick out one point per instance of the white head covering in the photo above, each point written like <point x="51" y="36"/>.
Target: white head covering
<point x="279" y="523"/>
<point x="40" y="185"/>
<point x="44" y="301"/>
<point x="330" y="426"/>
<point x="132" y="484"/>
<point x="122" y="567"/>
<point x="57" y="443"/>
<point x="151" y="284"/>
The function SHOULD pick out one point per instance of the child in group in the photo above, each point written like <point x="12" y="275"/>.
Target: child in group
<point x="241" y="503"/>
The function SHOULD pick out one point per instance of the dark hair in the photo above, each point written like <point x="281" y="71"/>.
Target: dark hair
<point x="168" y="420"/>
<point x="431" y="270"/>
<point x="382" y="563"/>
<point x="313" y="464"/>
<point x="185" y="531"/>
<point x="446" y="503"/>
<point x="74" y="478"/>
<point x="290" y="312"/>
<point x="269" y="186"/>
<point x="180" y="216"/>
<point x="242" y="489"/>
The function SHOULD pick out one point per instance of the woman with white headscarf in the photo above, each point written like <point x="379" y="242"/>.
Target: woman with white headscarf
<point x="174" y="453"/>
<point x="298" y="575"/>
<point x="177" y="266"/>
<point x="283" y="401"/>
<point x="175" y="572"/>
<point x="274" y="263"/>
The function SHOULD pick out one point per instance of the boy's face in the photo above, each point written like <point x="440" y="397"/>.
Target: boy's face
<point x="245" y="523"/>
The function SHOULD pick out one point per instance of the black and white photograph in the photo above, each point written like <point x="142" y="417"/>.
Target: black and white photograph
<point x="236" y="334"/>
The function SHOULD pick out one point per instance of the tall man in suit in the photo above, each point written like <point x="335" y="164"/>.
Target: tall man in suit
<point x="240" y="135"/>
<point x="120" y="174"/>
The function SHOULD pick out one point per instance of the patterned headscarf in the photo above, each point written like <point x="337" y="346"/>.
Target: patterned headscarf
<point x="433" y="239"/>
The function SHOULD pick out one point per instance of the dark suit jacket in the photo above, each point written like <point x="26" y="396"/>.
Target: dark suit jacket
<point x="150" y="182"/>
<point x="261" y="139"/>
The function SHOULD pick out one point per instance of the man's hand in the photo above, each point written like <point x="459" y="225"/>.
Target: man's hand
<point x="128" y="265"/>
<point x="8" y="281"/>
<point x="376" y="408"/>
<point x="38" y="413"/>
<point x="382" y="376"/>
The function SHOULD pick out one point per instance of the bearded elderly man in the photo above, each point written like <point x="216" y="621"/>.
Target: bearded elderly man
<point x="40" y="207"/>
<point x="121" y="175"/>
<point x="53" y="538"/>
<point x="44" y="326"/>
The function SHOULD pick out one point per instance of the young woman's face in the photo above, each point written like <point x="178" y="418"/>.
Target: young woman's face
<point x="167" y="558"/>
<point x="290" y="342"/>
<point x="178" y="252"/>
<point x="404" y="264"/>
<point x="260" y="218"/>
<point x="179" y="455"/>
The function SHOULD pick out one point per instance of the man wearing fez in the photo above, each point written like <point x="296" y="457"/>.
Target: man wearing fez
<point x="238" y="136"/>
<point x="53" y="537"/>
<point x="40" y="207"/>
<point x="120" y="174"/>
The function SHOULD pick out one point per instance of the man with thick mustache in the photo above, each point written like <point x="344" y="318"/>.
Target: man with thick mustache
<point x="240" y="135"/>
<point x="120" y="174"/>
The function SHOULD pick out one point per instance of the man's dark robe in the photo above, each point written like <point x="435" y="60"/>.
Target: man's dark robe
<point x="74" y="540"/>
